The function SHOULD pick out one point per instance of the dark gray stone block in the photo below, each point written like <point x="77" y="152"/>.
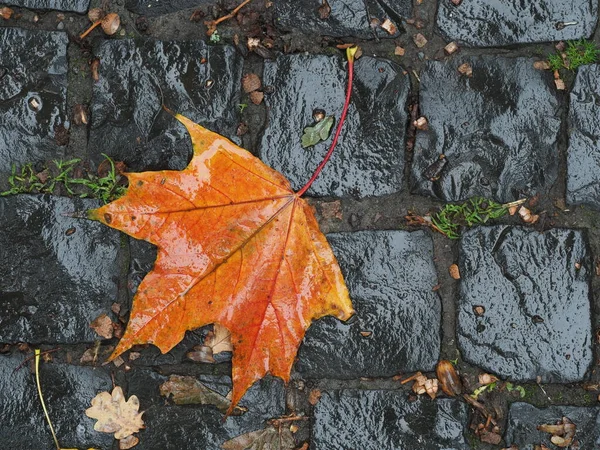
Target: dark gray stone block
<point x="369" y="158"/>
<point x="33" y="71"/>
<point x="347" y="17"/>
<point x="387" y="420"/>
<point x="136" y="77"/>
<point x="498" y="129"/>
<point x="390" y="276"/>
<point x="57" y="274"/>
<point x="523" y="420"/>
<point x="494" y="23"/>
<point x="536" y="301"/>
<point x="68" y="392"/>
<point x="153" y="8"/>
<point x="78" y="6"/>
<point x="583" y="155"/>
<point x="202" y="427"/>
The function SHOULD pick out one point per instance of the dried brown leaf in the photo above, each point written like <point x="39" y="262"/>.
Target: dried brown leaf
<point x="103" y="326"/>
<point x="115" y="415"/>
<point x="257" y="97"/>
<point x="251" y="82"/>
<point x="190" y="391"/>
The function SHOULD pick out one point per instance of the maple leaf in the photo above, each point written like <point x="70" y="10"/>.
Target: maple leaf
<point x="115" y="415"/>
<point x="237" y="247"/>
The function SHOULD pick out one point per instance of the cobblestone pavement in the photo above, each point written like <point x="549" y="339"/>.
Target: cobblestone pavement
<point x="525" y="308"/>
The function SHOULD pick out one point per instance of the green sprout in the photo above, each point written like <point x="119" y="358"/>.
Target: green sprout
<point x="27" y="181"/>
<point x="576" y="54"/>
<point x="486" y="387"/>
<point x="520" y="389"/>
<point x="215" y="38"/>
<point x="242" y="107"/>
<point x="475" y="211"/>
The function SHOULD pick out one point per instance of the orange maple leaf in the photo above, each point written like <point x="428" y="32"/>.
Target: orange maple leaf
<point x="236" y="246"/>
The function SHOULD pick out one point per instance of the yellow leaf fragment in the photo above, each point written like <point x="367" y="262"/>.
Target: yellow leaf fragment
<point x="115" y="415"/>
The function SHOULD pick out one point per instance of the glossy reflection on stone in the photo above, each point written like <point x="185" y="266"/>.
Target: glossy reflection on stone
<point x="535" y="288"/>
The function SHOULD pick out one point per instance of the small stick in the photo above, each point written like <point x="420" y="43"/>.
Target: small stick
<point x="282" y="420"/>
<point x="212" y="24"/>
<point x="31" y="357"/>
<point x="411" y="378"/>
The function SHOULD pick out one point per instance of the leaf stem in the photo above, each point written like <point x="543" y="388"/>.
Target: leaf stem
<point x="350" y="55"/>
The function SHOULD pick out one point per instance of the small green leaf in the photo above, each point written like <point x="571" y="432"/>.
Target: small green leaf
<point x="521" y="390"/>
<point x="317" y="133"/>
<point x="509" y="387"/>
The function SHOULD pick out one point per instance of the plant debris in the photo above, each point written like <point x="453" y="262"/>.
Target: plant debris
<point x="451" y="48"/>
<point x="562" y="432"/>
<point x="448" y="378"/>
<point x="251" y="82"/>
<point x="318" y="132"/>
<point x="110" y="25"/>
<point x="423" y="385"/>
<point x="115" y="415"/>
<point x="420" y="40"/>
<point x="103" y="326"/>
<point x="390" y="27"/>
<point x="211" y="25"/>
<point x="270" y="438"/>
<point x="454" y="272"/>
<point x="466" y="69"/>
<point x="184" y="390"/>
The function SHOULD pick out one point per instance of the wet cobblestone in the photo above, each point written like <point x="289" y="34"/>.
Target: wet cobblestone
<point x="534" y="291"/>
<point x="33" y="92"/>
<point x="390" y="275"/>
<point x="368" y="160"/>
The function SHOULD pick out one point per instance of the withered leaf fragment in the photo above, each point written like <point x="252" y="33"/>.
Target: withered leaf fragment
<point x="270" y="438"/>
<point x="434" y="171"/>
<point x="115" y="415"/>
<point x="189" y="391"/>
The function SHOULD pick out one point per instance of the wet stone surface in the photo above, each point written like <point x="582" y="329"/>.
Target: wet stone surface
<point x="57" y="274"/>
<point x="484" y="23"/>
<point x="78" y="6"/>
<point x="68" y="391"/>
<point x="583" y="155"/>
<point x="369" y="158"/>
<point x="191" y="78"/>
<point x="160" y="7"/>
<point x="387" y="420"/>
<point x="33" y="89"/>
<point x="346" y="18"/>
<point x="202" y="426"/>
<point x="536" y="301"/>
<point x="498" y="129"/>
<point x="390" y="276"/>
<point x="524" y="418"/>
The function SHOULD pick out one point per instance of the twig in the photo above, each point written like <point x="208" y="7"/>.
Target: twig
<point x="212" y="24"/>
<point x="31" y="357"/>
<point x="282" y="420"/>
